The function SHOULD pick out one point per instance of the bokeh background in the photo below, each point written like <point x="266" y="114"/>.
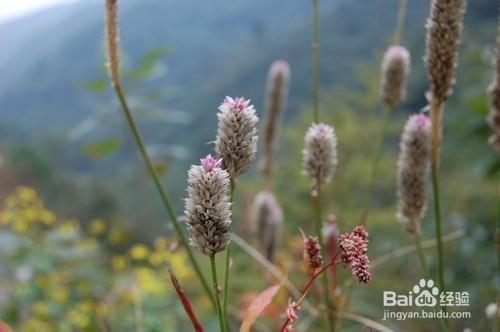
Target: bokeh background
<point x="84" y="242"/>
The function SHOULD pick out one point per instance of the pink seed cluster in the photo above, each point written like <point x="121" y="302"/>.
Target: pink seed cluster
<point x="292" y="313"/>
<point x="312" y="253"/>
<point x="354" y="246"/>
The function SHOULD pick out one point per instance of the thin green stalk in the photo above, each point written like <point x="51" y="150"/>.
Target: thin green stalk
<point x="138" y="310"/>
<point x="437" y="215"/>
<point x="379" y="148"/>
<point x="216" y="290"/>
<point x="227" y="265"/>
<point x="497" y="233"/>
<point x="315" y="60"/>
<point x="163" y="194"/>
<point x="496" y="323"/>
<point x="329" y="319"/>
<point x="420" y="253"/>
<point x="398" y="32"/>
<point x="225" y="291"/>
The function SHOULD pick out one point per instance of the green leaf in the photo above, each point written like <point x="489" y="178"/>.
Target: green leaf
<point x="101" y="148"/>
<point x="148" y="64"/>
<point x="96" y="85"/>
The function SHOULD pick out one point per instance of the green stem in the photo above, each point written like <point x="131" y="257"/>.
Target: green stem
<point x="437" y="215"/>
<point x="379" y="149"/>
<point x="496" y="323"/>
<point x="329" y="319"/>
<point x="398" y="32"/>
<point x="163" y="194"/>
<point x="315" y="60"/>
<point x="421" y="256"/>
<point x="227" y="264"/>
<point x="497" y="233"/>
<point x="216" y="290"/>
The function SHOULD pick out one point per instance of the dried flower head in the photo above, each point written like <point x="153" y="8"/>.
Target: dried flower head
<point x="444" y="29"/>
<point x="320" y="153"/>
<point x="413" y="171"/>
<point x="494" y="94"/>
<point x="236" y="141"/>
<point x="267" y="218"/>
<point x="312" y="253"/>
<point x="395" y="70"/>
<point x="112" y="40"/>
<point x="354" y="246"/>
<point x="277" y="90"/>
<point x="208" y="206"/>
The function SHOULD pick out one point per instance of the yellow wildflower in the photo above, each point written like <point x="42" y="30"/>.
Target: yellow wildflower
<point x="97" y="227"/>
<point x="119" y="263"/>
<point x="149" y="282"/>
<point x="139" y="252"/>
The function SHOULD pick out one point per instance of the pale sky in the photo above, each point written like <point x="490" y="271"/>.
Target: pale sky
<point x="10" y="9"/>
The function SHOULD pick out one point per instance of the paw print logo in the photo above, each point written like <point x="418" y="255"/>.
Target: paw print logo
<point x="426" y="293"/>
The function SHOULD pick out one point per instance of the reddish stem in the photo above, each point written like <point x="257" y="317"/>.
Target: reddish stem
<point x="186" y="304"/>
<point x="308" y="285"/>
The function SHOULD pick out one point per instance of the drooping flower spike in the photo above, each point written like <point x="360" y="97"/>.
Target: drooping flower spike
<point x="312" y="253"/>
<point x="354" y="246"/>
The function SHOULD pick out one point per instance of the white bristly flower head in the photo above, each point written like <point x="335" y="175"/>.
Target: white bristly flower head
<point x="277" y="90"/>
<point x="267" y="222"/>
<point x="444" y="30"/>
<point x="236" y="141"/>
<point x="208" y="206"/>
<point x="413" y="171"/>
<point x="320" y="153"/>
<point x="395" y="70"/>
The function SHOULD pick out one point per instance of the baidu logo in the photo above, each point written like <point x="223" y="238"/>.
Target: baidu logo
<point x="430" y="300"/>
<point x="423" y="294"/>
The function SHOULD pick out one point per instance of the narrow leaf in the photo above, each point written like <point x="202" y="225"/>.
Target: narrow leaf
<point x="186" y="303"/>
<point x="101" y="148"/>
<point x="257" y="306"/>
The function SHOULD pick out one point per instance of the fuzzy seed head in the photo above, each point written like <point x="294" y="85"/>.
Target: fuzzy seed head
<point x="320" y="153"/>
<point x="112" y="40"/>
<point x="354" y="247"/>
<point x="395" y="70"/>
<point x="236" y="141"/>
<point x="208" y="206"/>
<point x="494" y="94"/>
<point x="277" y="91"/>
<point x="444" y="29"/>
<point x="268" y="222"/>
<point x="413" y="171"/>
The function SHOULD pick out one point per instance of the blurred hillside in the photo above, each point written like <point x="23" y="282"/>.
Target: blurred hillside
<point x="59" y="122"/>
